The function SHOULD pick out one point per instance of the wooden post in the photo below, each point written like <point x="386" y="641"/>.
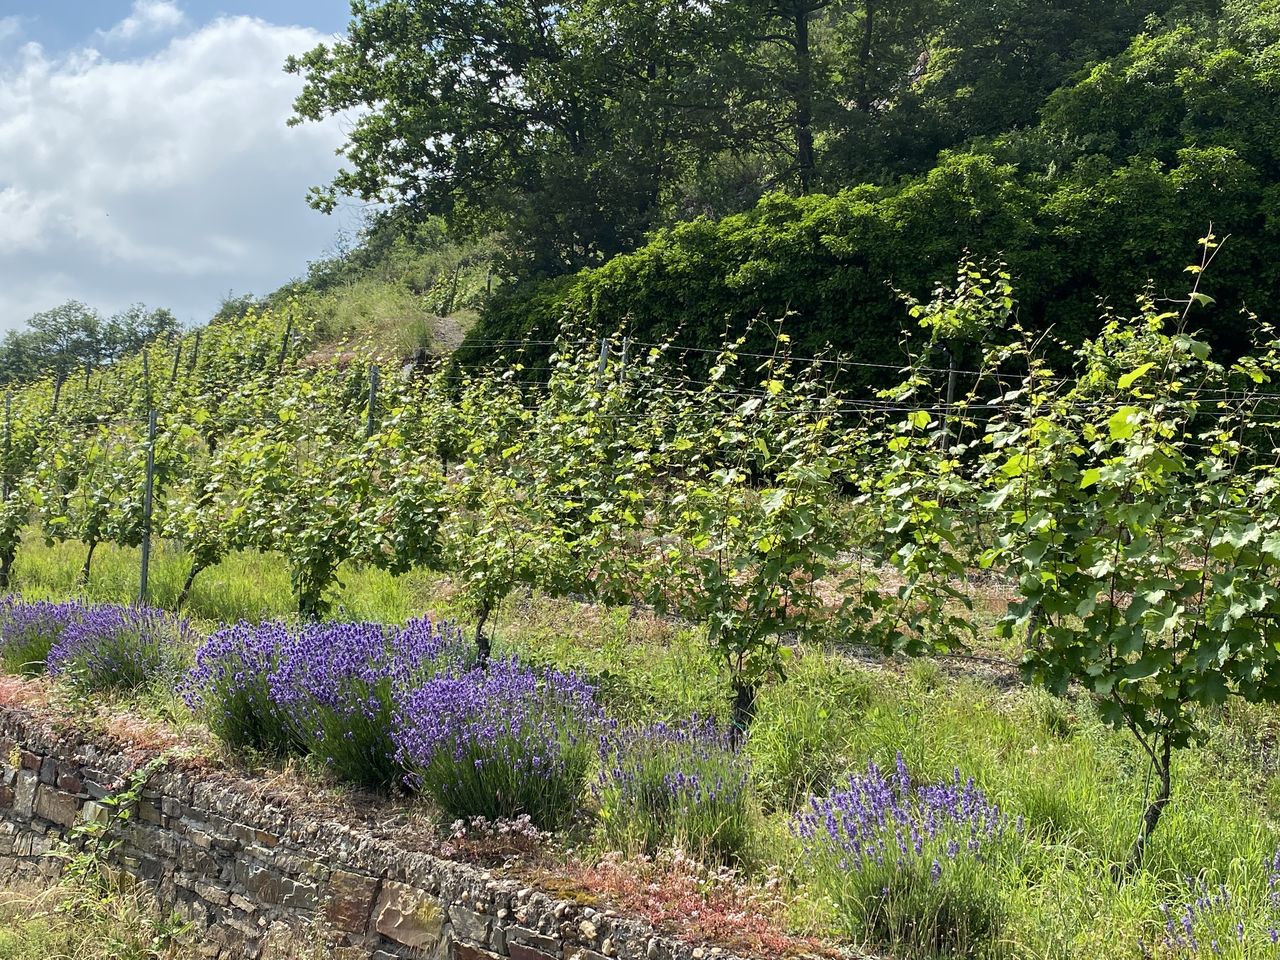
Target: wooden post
<point x="148" y="492"/>
<point x="622" y="363"/>
<point x="373" y="400"/>
<point x="177" y="359"/>
<point x="284" y="344"/>
<point x="195" y="353"/>
<point x="57" y="392"/>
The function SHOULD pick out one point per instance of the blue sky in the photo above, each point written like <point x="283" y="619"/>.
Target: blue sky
<point x="64" y="24"/>
<point x="144" y="155"/>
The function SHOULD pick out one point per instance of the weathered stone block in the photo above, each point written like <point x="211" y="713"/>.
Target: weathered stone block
<point x="523" y="936"/>
<point x="149" y="810"/>
<point x="69" y="782"/>
<point x="349" y="901"/>
<point x="93" y="812"/>
<point x="211" y="893"/>
<point x="408" y="916"/>
<point x="469" y="925"/>
<point x="55" y="806"/>
<point x="24" y="799"/>
<point x="520" y="951"/>
<point x="463" y="951"/>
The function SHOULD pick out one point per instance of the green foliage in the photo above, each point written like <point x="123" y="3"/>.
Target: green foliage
<point x="1128" y="163"/>
<point x="675" y="110"/>
<point x="803" y="737"/>
<point x="1132" y="507"/>
<point x="909" y="912"/>
<point x="73" y="337"/>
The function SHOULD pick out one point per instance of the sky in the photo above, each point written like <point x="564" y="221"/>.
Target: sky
<point x="144" y="155"/>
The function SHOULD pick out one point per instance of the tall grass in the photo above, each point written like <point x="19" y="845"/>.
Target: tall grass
<point x="1078" y="786"/>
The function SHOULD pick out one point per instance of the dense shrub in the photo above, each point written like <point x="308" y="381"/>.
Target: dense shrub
<point x="911" y="866"/>
<point x="121" y="648"/>
<point x="28" y="631"/>
<point x="338" y="683"/>
<point x="230" y="687"/>
<point x="674" y="785"/>
<point x="501" y="742"/>
<point x="1131" y="163"/>
<point x="320" y="689"/>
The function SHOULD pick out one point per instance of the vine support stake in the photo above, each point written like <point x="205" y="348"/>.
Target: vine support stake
<point x="622" y="361"/>
<point x="148" y="492"/>
<point x="146" y="377"/>
<point x="284" y="344"/>
<point x="604" y="361"/>
<point x="951" y="397"/>
<point x="177" y="359"/>
<point x="373" y="400"/>
<point x="8" y="444"/>
<point x="195" y="353"/>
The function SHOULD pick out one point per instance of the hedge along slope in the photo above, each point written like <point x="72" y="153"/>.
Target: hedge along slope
<point x="1129" y="167"/>
<point x="834" y="262"/>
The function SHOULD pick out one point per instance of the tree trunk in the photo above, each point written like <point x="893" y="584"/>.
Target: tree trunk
<point x="484" y="648"/>
<point x="743" y="712"/>
<point x="1151" y="817"/>
<point x="83" y="579"/>
<point x="6" y="568"/>
<point x="804" y="100"/>
<point x="868" y="33"/>
<point x="309" y="607"/>
<point x="185" y="593"/>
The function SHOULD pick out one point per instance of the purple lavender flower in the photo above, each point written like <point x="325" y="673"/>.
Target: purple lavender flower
<point x="29" y="630"/>
<point x="123" y="648"/>
<point x="325" y="689"/>
<point x="905" y="862"/>
<point x="878" y="813"/>
<point x="674" y="784"/>
<point x="1207" y="917"/>
<point x="500" y="742"/>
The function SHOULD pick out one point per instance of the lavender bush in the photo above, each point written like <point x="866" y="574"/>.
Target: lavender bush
<point x="911" y="867"/>
<point x="500" y="742"/>
<point x="1226" y="920"/>
<point x="674" y="785"/>
<point x="28" y="631"/>
<point x="337" y="682"/>
<point x="322" y="689"/>
<point x="230" y="687"/>
<point x="121" y="648"/>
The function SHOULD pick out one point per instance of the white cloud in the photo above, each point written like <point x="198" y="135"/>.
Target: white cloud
<point x="169" y="178"/>
<point x="147" y="18"/>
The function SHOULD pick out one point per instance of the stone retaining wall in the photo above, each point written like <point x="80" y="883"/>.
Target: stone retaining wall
<point x="252" y="873"/>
